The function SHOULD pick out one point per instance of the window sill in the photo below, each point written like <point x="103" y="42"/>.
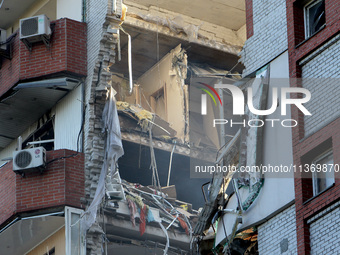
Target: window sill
<point x="312" y="198"/>
<point x="310" y="37"/>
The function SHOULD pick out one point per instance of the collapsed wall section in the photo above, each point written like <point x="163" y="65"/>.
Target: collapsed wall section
<point x="101" y="54"/>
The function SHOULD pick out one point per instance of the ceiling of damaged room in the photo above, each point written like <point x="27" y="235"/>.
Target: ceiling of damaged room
<point x="226" y="13"/>
<point x="148" y="48"/>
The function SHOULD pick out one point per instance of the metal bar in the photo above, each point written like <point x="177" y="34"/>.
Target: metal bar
<point x="38" y="142"/>
<point x="228" y="147"/>
<point x="170" y="163"/>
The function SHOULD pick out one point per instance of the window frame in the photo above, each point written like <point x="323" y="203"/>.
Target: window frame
<point x="315" y="177"/>
<point x="307" y="28"/>
<point x="68" y="231"/>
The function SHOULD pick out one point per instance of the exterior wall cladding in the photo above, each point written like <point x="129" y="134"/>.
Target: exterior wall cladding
<point x="325" y="243"/>
<point x="267" y="31"/>
<point x="267" y="39"/>
<point x="275" y="232"/>
<point x="316" y="57"/>
<point x="270" y="25"/>
<point x="324" y="64"/>
<point x="94" y="143"/>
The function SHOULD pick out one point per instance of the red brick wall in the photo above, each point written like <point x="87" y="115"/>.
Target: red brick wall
<point x="62" y="183"/>
<point x="75" y="180"/>
<point x="9" y="72"/>
<point x="299" y="48"/>
<point x="306" y="209"/>
<point x="67" y="54"/>
<point x="7" y="192"/>
<point x="76" y="47"/>
<point x="249" y="18"/>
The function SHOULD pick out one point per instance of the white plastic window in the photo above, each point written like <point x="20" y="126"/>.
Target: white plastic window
<point x="75" y="241"/>
<point x="314" y="17"/>
<point x="323" y="176"/>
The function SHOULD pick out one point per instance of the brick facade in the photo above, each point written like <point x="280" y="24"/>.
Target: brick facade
<point x="10" y="69"/>
<point x="307" y="58"/>
<point x="61" y="184"/>
<point x="325" y="242"/>
<point x="101" y="54"/>
<point x="276" y="232"/>
<point x="305" y="206"/>
<point x="249" y="18"/>
<point x="268" y="28"/>
<point x="324" y="63"/>
<point x="7" y="192"/>
<point x="67" y="55"/>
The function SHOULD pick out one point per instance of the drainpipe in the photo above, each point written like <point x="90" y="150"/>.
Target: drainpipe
<point x="84" y="11"/>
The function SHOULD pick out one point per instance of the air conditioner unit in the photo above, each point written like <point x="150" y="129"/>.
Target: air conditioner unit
<point x="29" y="159"/>
<point x="2" y="39"/>
<point x="33" y="29"/>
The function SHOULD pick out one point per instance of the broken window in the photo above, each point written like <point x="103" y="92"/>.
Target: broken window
<point x="323" y="176"/>
<point x="315" y="20"/>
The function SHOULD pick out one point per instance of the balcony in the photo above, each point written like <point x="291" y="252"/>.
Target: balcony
<point x="61" y="184"/>
<point x="67" y="55"/>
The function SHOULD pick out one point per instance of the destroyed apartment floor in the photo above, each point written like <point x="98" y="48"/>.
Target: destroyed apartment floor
<point x="135" y="163"/>
<point x="148" y="215"/>
<point x="134" y="118"/>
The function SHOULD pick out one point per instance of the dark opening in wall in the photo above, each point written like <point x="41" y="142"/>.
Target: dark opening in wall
<point x="43" y="132"/>
<point x="314" y="181"/>
<point x="134" y="167"/>
<point x="309" y="18"/>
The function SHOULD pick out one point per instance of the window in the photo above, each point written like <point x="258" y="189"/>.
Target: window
<point x="158" y="101"/>
<point x="315" y="20"/>
<point x="50" y="252"/>
<point x="323" y="176"/>
<point x="75" y="240"/>
<point x="44" y="133"/>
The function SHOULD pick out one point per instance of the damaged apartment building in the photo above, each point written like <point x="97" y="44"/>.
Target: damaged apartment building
<point x="253" y="212"/>
<point x="97" y="128"/>
<point x="292" y="45"/>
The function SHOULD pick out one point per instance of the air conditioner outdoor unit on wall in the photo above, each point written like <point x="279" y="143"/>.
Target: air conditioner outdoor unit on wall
<point x="2" y="39"/>
<point x="34" y="28"/>
<point x="29" y="159"/>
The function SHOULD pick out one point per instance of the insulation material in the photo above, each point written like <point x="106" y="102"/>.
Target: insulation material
<point x="113" y="151"/>
<point x="144" y="117"/>
<point x="254" y="136"/>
